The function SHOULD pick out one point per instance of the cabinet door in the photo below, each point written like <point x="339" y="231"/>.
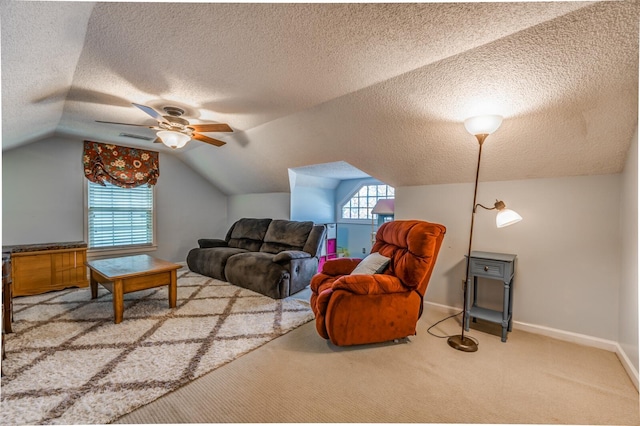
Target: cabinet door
<point x="332" y="246"/>
<point x="31" y="274"/>
<point x="68" y="268"/>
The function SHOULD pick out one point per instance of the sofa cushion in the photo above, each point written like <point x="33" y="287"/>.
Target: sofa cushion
<point x="211" y="261"/>
<point x="285" y="235"/>
<point x="248" y="233"/>
<point x="211" y="242"/>
<point x="316" y="237"/>
<point x="289" y="255"/>
<point x="258" y="272"/>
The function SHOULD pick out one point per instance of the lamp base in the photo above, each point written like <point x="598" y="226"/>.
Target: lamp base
<point x="462" y="343"/>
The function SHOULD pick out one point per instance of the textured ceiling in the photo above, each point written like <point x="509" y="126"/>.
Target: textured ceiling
<point x="382" y="87"/>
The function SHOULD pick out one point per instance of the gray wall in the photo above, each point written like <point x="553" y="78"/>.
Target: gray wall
<point x="568" y="246"/>
<point x="628" y="310"/>
<point x="355" y="237"/>
<point x="42" y="193"/>
<point x="275" y="205"/>
<point x="43" y="199"/>
<point x="312" y="197"/>
<point x="188" y="208"/>
<point x="315" y="204"/>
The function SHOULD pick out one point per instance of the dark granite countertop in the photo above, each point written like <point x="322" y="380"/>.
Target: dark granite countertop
<point x="21" y="248"/>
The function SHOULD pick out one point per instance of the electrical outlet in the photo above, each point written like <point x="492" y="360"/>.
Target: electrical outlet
<point x="364" y="251"/>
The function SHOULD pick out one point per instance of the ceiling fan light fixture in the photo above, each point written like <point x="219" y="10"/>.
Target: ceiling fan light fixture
<point x="173" y="139"/>
<point x="174" y="131"/>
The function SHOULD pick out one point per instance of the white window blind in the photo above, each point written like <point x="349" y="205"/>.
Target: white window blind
<point x="120" y="216"/>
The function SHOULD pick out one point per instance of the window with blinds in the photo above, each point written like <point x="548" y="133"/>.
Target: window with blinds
<point x="120" y="217"/>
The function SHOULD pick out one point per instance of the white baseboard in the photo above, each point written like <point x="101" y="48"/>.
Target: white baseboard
<point x="583" y="339"/>
<point x="449" y="309"/>
<point x="628" y="366"/>
<point x="567" y="336"/>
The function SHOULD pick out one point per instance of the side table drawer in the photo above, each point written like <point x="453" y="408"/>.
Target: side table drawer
<point x="487" y="268"/>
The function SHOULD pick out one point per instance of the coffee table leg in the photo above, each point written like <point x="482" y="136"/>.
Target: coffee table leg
<point x="94" y="285"/>
<point x="118" y="300"/>
<point x="173" y="289"/>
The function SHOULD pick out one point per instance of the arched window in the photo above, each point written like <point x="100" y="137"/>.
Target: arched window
<point x="360" y="205"/>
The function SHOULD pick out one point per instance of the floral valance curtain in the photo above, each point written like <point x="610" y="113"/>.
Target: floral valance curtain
<point x="119" y="165"/>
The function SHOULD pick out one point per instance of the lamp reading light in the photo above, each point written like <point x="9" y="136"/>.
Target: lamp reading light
<point x="384" y="206"/>
<point x="505" y="216"/>
<point x="173" y="139"/>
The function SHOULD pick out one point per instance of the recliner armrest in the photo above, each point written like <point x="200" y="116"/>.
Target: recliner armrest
<point x="370" y="284"/>
<point x="211" y="242"/>
<point x="340" y="266"/>
<point x="288" y="255"/>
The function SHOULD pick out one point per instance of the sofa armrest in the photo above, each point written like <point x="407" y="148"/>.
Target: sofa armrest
<point x="211" y="242"/>
<point x="288" y="255"/>
<point x="340" y="266"/>
<point x="370" y="284"/>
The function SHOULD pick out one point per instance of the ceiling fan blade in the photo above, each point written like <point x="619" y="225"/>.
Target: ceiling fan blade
<point x="152" y="112"/>
<point x="126" y="124"/>
<point x="213" y="127"/>
<point x="208" y="140"/>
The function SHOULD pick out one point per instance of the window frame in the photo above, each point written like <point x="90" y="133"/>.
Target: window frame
<point x="101" y="252"/>
<point x="349" y="197"/>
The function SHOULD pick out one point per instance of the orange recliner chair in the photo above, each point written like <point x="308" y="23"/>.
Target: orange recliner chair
<point x="358" y="309"/>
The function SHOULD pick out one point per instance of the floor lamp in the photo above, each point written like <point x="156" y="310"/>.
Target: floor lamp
<point x="384" y="207"/>
<point x="480" y="127"/>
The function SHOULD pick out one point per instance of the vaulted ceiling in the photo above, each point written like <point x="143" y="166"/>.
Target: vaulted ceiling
<point x="383" y="87"/>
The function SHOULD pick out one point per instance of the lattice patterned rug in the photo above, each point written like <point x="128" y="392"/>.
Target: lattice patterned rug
<point x="68" y="363"/>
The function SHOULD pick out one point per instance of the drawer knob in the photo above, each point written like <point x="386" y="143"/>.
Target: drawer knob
<point x="486" y="268"/>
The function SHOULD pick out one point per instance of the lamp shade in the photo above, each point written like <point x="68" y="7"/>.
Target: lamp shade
<point x="483" y="124"/>
<point x="506" y="217"/>
<point x="384" y="206"/>
<point x="173" y="139"/>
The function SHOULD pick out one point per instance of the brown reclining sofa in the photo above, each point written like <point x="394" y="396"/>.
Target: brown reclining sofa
<point x="273" y="257"/>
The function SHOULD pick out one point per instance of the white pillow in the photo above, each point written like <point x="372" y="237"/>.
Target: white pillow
<point x="372" y="264"/>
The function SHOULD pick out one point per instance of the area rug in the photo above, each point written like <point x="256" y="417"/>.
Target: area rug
<point x="68" y="363"/>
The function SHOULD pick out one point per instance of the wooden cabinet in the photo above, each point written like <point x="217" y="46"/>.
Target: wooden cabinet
<point x="43" y="270"/>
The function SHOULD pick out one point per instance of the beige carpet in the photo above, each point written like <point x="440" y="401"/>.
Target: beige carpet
<point x="68" y="363"/>
<point x="300" y="377"/>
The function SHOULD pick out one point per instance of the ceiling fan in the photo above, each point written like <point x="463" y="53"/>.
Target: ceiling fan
<point x="175" y="131"/>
